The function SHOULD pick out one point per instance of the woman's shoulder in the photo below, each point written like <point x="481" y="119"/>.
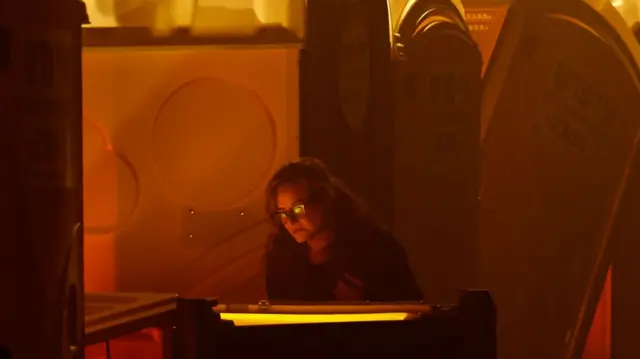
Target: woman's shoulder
<point x="385" y="240"/>
<point x="375" y="237"/>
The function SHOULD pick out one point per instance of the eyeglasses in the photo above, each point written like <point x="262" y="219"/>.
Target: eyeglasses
<point x="294" y="214"/>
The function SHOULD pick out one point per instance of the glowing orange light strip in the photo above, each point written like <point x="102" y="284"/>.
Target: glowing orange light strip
<point x="246" y="319"/>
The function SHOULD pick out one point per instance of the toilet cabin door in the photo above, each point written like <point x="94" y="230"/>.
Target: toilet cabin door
<point x="561" y="98"/>
<point x="437" y="146"/>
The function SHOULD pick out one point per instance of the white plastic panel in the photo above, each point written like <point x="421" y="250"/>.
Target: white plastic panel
<point x="179" y="144"/>
<point x="207" y="17"/>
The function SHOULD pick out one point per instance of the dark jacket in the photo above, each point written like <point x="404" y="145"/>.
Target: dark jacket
<point x="373" y="256"/>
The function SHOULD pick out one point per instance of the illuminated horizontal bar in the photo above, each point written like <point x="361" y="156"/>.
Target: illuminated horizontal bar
<point x="247" y="319"/>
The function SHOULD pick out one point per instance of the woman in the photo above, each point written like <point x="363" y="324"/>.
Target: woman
<point x="327" y="246"/>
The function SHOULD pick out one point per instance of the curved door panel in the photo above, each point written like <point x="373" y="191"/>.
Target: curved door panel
<point x="437" y="147"/>
<point x="562" y="100"/>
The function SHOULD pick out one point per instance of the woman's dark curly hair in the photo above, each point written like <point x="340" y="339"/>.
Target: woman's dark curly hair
<point x="342" y="209"/>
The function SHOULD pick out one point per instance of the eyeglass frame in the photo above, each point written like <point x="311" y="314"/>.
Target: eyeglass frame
<point x="279" y="216"/>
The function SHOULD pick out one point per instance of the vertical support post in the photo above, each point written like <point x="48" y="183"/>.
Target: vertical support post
<point x="195" y="329"/>
<point x="41" y="272"/>
<point x="479" y="322"/>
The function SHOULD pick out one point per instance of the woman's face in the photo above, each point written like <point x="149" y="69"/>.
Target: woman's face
<point x="302" y="219"/>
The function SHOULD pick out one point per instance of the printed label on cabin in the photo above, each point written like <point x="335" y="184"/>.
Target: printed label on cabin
<point x="576" y="113"/>
<point x="46" y="96"/>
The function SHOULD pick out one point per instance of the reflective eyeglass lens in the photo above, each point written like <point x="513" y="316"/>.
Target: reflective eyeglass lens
<point x="294" y="214"/>
<point x="298" y="210"/>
